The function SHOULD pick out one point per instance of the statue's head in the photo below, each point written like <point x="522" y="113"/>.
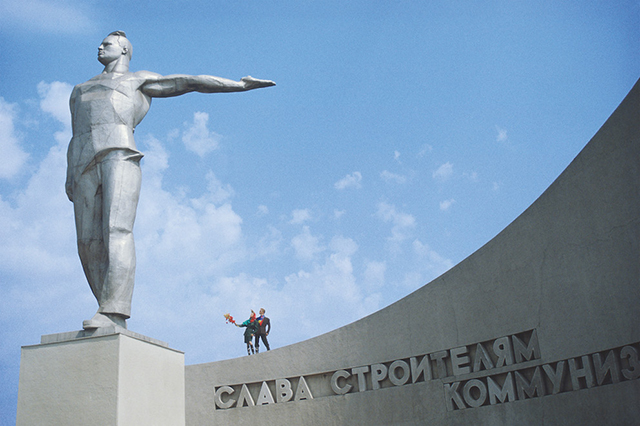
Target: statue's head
<point x="113" y="47"/>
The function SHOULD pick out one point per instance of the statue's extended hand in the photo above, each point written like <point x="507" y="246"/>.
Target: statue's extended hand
<point x="254" y="83"/>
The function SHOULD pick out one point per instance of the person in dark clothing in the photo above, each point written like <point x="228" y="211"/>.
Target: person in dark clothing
<point x="264" y="327"/>
<point x="252" y="327"/>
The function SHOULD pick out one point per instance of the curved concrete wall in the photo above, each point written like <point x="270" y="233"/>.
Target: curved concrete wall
<point x="539" y="326"/>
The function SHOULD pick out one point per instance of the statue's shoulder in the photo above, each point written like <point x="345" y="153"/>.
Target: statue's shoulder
<point x="146" y="75"/>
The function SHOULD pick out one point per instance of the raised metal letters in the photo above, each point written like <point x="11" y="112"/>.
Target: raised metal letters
<point x="610" y="367"/>
<point x="218" y="397"/>
<point x="459" y="361"/>
<point x="482" y="359"/>
<point x="335" y="386"/>
<point x="633" y="372"/>
<point x="422" y="368"/>
<point x="406" y="373"/>
<point x="555" y="375"/>
<point x="378" y="373"/>
<point x="284" y="391"/>
<point x="523" y="353"/>
<point x="535" y="381"/>
<point x="245" y="397"/>
<point x="265" y="396"/>
<point x="503" y="394"/>
<point x="303" y="391"/>
<point x="359" y="371"/>
<point x="576" y="373"/>
<point x="532" y="388"/>
<point x="475" y="393"/>
<point x="501" y="371"/>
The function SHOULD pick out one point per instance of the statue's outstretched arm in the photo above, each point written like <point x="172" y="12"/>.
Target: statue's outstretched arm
<point x="179" y="84"/>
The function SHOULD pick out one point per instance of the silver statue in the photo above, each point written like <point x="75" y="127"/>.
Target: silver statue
<point x="103" y="172"/>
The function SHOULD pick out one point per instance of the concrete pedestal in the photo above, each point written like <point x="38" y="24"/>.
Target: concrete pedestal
<point x="108" y="377"/>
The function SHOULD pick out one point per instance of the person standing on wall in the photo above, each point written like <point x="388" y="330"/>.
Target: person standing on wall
<point x="264" y="327"/>
<point x="252" y="330"/>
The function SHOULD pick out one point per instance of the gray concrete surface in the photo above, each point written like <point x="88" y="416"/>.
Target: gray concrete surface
<point x="104" y="379"/>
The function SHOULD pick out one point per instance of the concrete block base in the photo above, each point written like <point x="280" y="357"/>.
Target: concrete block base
<point x="111" y="377"/>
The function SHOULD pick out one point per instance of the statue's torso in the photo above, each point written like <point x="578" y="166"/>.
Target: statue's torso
<point x="104" y="112"/>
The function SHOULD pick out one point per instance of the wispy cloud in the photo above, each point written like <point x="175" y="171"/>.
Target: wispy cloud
<point x="270" y="243"/>
<point x="502" y="134"/>
<point x="444" y="172"/>
<point x="59" y="17"/>
<point x="403" y="223"/>
<point x="350" y="181"/>
<point x="13" y="156"/>
<point x="446" y="204"/>
<point x="198" y="138"/>
<point x="299" y="216"/>
<point x="177" y="234"/>
<point x="426" y="148"/>
<point x="432" y="263"/>
<point x="54" y="99"/>
<point x="374" y="274"/>
<point x="306" y="245"/>
<point x="38" y="238"/>
<point x="387" y="176"/>
<point x="473" y="176"/>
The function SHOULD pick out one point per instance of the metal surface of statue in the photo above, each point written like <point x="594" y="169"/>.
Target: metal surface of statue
<point x="103" y="173"/>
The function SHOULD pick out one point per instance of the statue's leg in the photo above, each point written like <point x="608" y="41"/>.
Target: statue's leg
<point x="120" y="175"/>
<point x="87" y="205"/>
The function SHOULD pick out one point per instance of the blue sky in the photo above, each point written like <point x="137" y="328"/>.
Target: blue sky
<point x="401" y="137"/>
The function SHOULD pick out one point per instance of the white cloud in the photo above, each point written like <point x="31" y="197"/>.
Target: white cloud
<point x="216" y="193"/>
<point x="39" y="267"/>
<point x="387" y="176"/>
<point x="350" y="181"/>
<point x="198" y="138"/>
<point x="396" y="156"/>
<point x="446" y="204"/>
<point x="473" y="176"/>
<point x="343" y="246"/>
<point x="306" y="246"/>
<point x="38" y="228"/>
<point x="374" y="274"/>
<point x="54" y="100"/>
<point x="502" y="134"/>
<point x="176" y="236"/>
<point x="338" y="213"/>
<point x="12" y="154"/>
<point x="328" y="291"/>
<point x="270" y="243"/>
<point x="403" y="223"/>
<point x="61" y="16"/>
<point x="424" y="150"/>
<point x="300" y="216"/>
<point x="443" y="172"/>
<point x="430" y="260"/>
<point x="262" y="210"/>
<point x="427" y="265"/>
